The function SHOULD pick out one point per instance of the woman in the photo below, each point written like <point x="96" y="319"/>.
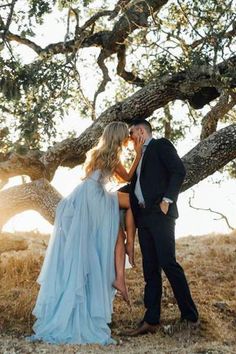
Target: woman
<point x="78" y="282"/>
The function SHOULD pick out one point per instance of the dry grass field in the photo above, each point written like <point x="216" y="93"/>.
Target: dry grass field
<point x="209" y="262"/>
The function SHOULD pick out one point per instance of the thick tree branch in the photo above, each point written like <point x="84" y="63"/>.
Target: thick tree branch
<point x="21" y="40"/>
<point x="104" y="54"/>
<point x="38" y="195"/>
<point x="18" y="165"/>
<point x="210" y="120"/>
<point x="210" y="155"/>
<point x="126" y="75"/>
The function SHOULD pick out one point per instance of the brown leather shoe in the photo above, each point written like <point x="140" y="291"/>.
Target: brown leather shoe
<point x="144" y="328"/>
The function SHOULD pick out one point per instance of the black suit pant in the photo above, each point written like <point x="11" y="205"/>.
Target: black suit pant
<point x="157" y="242"/>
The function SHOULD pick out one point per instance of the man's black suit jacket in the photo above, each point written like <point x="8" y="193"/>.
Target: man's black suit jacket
<point x="162" y="174"/>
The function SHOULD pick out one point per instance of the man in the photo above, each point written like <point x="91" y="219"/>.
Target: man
<point x="154" y="191"/>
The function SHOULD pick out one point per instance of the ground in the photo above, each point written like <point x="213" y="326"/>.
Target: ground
<point x="209" y="262"/>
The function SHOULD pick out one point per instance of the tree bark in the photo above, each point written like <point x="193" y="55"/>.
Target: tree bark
<point x="210" y="155"/>
<point x="210" y="120"/>
<point x="18" y="165"/>
<point x="38" y="195"/>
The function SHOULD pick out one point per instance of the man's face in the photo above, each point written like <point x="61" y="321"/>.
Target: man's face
<point x="135" y="132"/>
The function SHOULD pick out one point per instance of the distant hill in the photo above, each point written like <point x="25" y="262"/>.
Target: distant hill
<point x="210" y="265"/>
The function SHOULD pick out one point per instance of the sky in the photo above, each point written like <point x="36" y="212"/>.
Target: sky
<point x="209" y="193"/>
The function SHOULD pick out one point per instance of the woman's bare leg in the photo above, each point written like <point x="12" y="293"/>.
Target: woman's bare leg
<point x="121" y="248"/>
<point x="119" y="282"/>
<point x="130" y="230"/>
<point x="130" y="225"/>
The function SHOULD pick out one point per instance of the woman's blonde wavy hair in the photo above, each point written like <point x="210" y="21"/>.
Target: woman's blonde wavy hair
<point x="105" y="156"/>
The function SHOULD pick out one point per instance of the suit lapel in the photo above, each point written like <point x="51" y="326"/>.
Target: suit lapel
<point x="146" y="153"/>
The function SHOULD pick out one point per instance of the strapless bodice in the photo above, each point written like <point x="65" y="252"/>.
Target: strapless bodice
<point x="99" y="176"/>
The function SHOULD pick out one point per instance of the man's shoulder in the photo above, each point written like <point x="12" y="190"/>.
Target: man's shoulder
<point x="162" y="141"/>
<point x="163" y="145"/>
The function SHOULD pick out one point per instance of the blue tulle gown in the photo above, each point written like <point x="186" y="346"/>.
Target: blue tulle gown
<point x="74" y="304"/>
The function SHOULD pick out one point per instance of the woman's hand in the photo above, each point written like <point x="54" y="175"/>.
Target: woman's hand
<point x="138" y="145"/>
<point x="120" y="169"/>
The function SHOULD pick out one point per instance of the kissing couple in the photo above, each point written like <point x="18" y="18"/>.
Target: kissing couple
<point x="84" y="265"/>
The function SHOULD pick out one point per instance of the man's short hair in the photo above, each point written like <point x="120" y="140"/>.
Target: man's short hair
<point x="143" y="122"/>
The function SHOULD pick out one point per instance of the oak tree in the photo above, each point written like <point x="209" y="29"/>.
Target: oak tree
<point x="144" y="56"/>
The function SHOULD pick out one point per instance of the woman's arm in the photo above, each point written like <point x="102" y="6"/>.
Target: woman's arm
<point x="121" y="173"/>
